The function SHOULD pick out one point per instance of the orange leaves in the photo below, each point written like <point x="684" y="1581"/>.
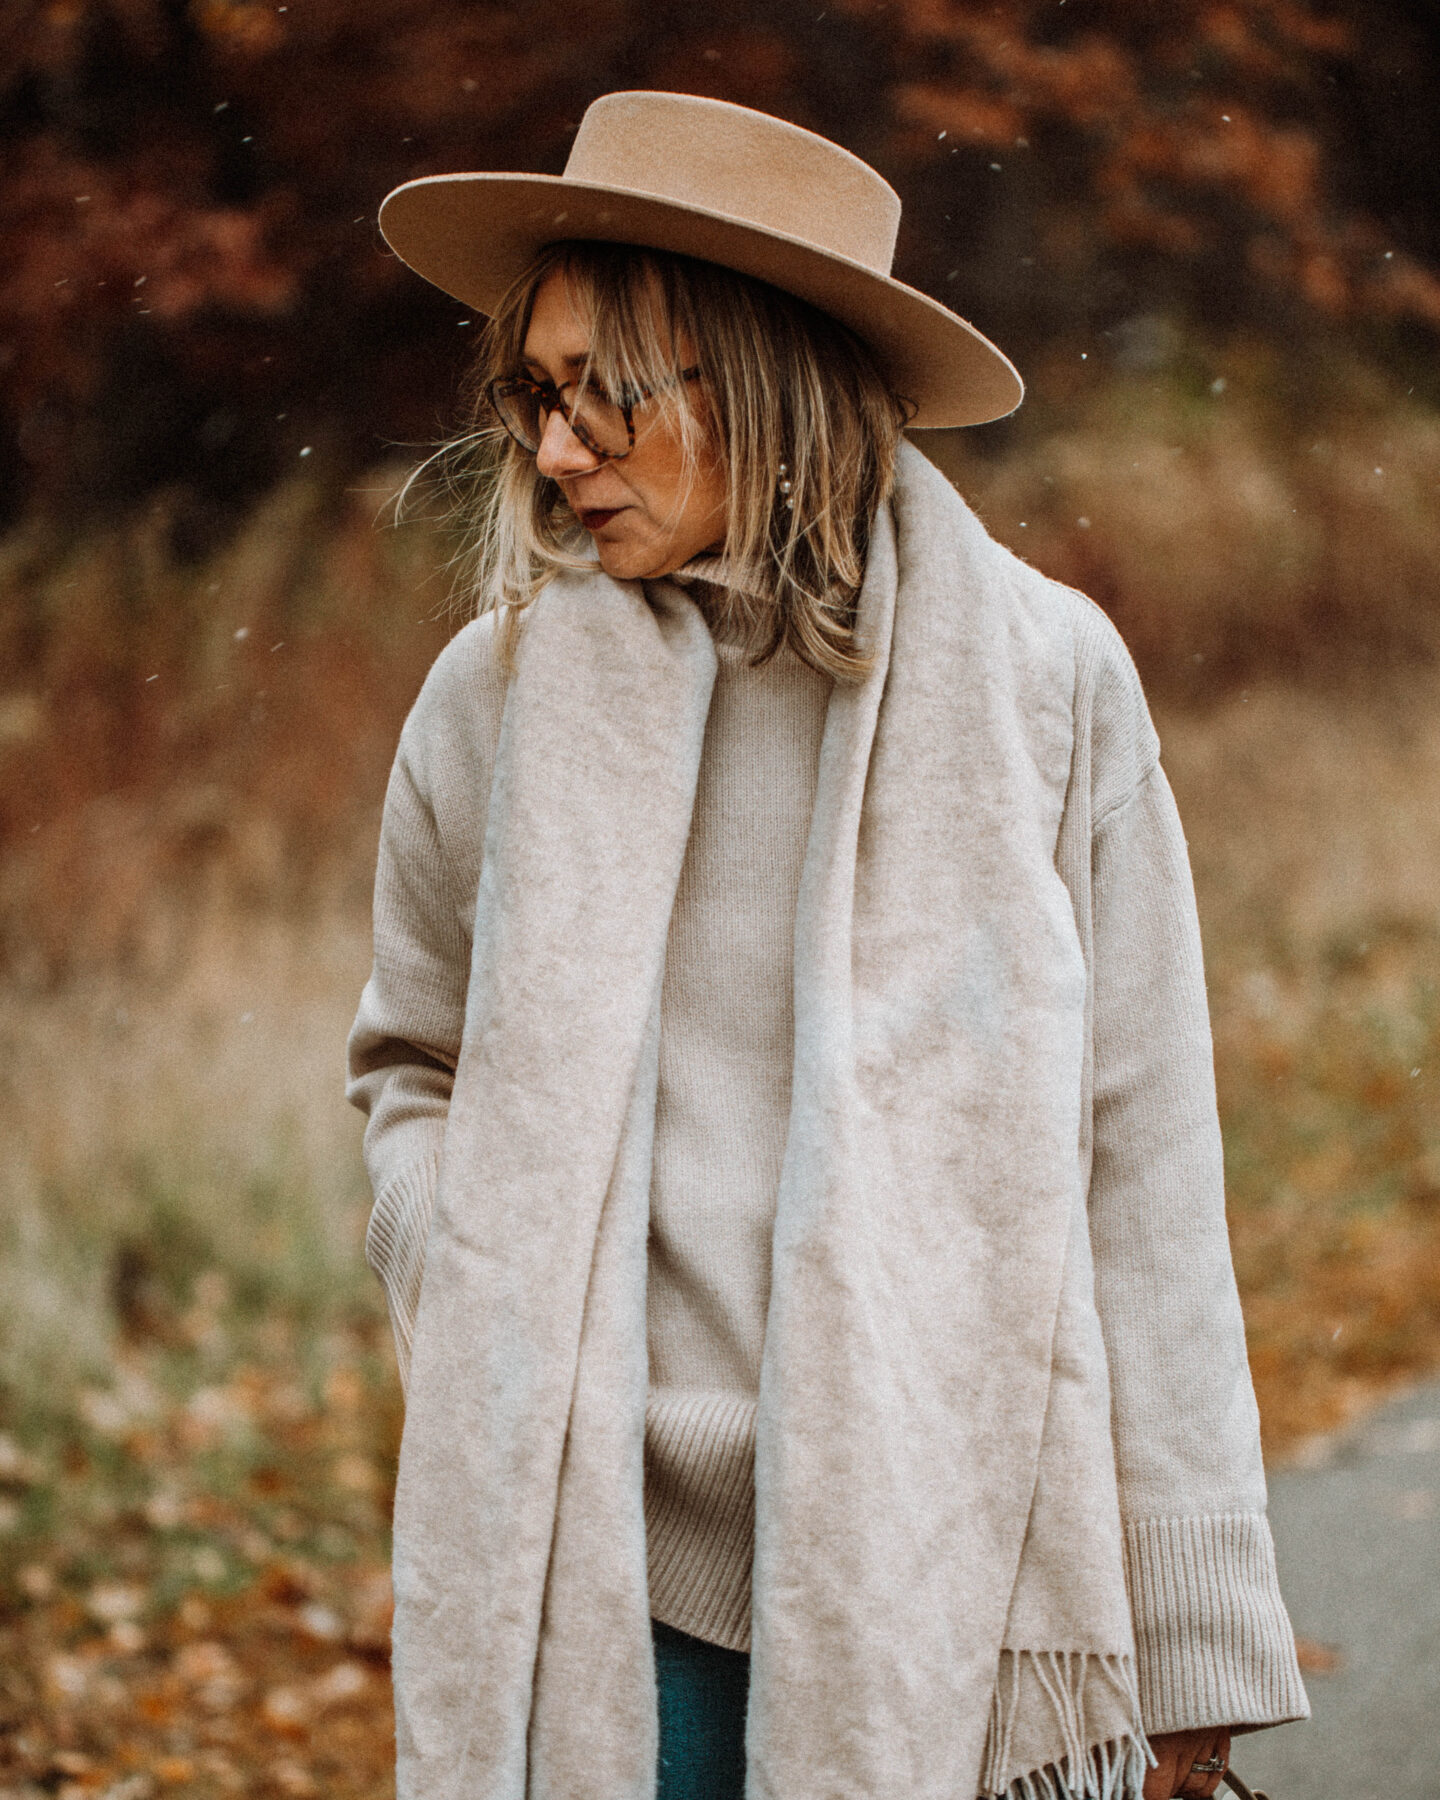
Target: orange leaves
<point x="85" y="250"/>
<point x="184" y="1652"/>
<point x="291" y="1710"/>
<point x="227" y="231"/>
<point x="752" y="68"/>
<point x="1331" y="1141"/>
<point x="967" y="116"/>
<point x="1321" y="278"/>
<point x="174" y="1771"/>
<point x="1090" y="83"/>
<point x="86" y="231"/>
<point x="242" y="26"/>
<point x="1150" y="171"/>
<point x="1348" y="274"/>
<point x="209" y="1675"/>
<point x="1407" y="290"/>
<point x="1275" y="169"/>
<point x="1257" y="34"/>
<point x="999" y="70"/>
<point x="63" y="32"/>
<point x="1132" y="219"/>
<point x="1168" y="151"/>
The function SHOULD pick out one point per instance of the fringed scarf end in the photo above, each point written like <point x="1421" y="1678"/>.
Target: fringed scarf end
<point x="1110" y="1767"/>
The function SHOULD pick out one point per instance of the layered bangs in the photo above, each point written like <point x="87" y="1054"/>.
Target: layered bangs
<point x="780" y="382"/>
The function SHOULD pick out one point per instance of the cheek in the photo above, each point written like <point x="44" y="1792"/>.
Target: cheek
<point x="712" y="484"/>
<point x="669" y="498"/>
<point x="699" y="500"/>
<point x="716" y="489"/>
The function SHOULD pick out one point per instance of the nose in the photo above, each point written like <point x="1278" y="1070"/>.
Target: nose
<point x="561" y="453"/>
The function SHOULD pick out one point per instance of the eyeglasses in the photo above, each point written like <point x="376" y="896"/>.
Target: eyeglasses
<point x="603" y="424"/>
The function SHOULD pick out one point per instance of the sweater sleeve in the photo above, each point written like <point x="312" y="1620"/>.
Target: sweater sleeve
<point x="405" y="1042"/>
<point x="1214" y="1642"/>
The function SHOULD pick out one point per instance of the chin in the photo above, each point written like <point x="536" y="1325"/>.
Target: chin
<point x="625" y="563"/>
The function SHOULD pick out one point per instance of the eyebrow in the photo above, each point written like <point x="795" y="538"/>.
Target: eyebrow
<point x="577" y="361"/>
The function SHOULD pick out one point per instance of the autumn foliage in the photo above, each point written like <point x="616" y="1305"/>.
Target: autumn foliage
<point x="1209" y="232"/>
<point x="192" y="289"/>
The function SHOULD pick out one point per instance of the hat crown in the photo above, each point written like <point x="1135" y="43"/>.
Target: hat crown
<point x="743" y="164"/>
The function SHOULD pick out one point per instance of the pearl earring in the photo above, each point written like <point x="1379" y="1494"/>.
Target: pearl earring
<point x="784" y="485"/>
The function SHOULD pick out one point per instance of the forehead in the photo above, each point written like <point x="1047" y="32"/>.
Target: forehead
<point x="561" y="330"/>
<point x="560" y="324"/>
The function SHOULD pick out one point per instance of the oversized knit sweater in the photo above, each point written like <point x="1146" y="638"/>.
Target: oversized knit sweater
<point x="722" y="1111"/>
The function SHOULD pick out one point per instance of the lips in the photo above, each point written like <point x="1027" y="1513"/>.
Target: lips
<point x="598" y="516"/>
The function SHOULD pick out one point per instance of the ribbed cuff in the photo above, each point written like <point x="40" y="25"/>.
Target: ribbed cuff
<point x="395" y="1248"/>
<point x="1213" y="1639"/>
<point x="700" y="1514"/>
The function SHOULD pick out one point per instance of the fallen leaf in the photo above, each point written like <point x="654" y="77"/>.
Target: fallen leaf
<point x="286" y="1709"/>
<point x="205" y="1661"/>
<point x="346" y="1681"/>
<point x="68" y="1675"/>
<point x="357" y="1474"/>
<point x="127" y="1637"/>
<point x="16" y="1469"/>
<point x="374" y="1611"/>
<point x="130" y="1787"/>
<point x="194" y="1613"/>
<point x="208" y="1564"/>
<point x="290" y="1581"/>
<point x="222" y="1770"/>
<point x="164" y="1511"/>
<point x="319" y="1622"/>
<point x="344" y="1390"/>
<point x="36" y="1582"/>
<point x="112" y="1601"/>
<point x="293" y="1779"/>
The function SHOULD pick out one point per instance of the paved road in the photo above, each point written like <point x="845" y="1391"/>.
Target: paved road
<point x="1358" y="1541"/>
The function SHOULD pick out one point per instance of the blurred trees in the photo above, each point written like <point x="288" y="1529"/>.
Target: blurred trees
<point x="1229" y="159"/>
<point x="193" y="292"/>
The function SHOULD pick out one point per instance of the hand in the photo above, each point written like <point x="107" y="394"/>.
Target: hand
<point x="1176" y="1753"/>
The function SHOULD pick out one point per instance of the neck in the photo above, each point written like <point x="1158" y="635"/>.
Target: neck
<point x="735" y="612"/>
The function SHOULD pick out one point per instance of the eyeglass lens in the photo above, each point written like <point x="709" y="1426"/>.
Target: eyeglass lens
<point x="598" y="421"/>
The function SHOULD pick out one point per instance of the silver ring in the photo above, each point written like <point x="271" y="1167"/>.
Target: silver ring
<point x="1215" y="1766"/>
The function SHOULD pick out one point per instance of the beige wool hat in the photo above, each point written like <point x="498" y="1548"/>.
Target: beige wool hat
<point x="728" y="185"/>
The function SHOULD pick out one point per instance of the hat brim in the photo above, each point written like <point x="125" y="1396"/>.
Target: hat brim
<point x="472" y="235"/>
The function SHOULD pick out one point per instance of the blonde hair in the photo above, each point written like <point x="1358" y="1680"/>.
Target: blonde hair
<point x="783" y="382"/>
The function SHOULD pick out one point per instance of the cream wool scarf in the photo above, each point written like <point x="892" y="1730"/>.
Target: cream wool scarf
<point x="939" y="1601"/>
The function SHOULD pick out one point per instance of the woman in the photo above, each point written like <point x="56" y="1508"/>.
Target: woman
<point x="787" y="1059"/>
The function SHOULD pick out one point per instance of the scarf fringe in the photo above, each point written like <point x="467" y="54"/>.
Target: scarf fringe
<point x="1113" y="1769"/>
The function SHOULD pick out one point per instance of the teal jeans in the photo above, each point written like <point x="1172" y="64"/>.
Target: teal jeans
<point x="703" y="1690"/>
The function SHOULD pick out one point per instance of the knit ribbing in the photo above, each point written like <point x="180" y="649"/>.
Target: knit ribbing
<point x="700" y="1514"/>
<point x="395" y="1246"/>
<point x="722" y="1113"/>
<point x="1212" y="1636"/>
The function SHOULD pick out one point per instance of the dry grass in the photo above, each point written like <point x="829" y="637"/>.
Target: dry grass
<point x="149" y="1135"/>
<point x="1314" y="827"/>
<point x="199" y="1599"/>
<point x="1233" y="536"/>
<point x="197" y="1383"/>
<point x="185" y="732"/>
<point x="198" y="1410"/>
